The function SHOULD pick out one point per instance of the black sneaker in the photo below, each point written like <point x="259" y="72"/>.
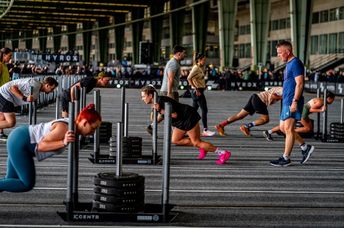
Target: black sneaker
<point x="3" y="137"/>
<point x="267" y="135"/>
<point x="280" y="162"/>
<point x="306" y="154"/>
<point x="149" y="129"/>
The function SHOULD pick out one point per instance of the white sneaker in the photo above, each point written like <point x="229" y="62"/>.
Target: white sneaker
<point x="208" y="133"/>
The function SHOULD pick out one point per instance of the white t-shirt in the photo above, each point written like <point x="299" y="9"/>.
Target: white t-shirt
<point x="24" y="85"/>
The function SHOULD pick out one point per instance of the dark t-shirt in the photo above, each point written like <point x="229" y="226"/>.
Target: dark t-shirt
<point x="88" y="82"/>
<point x="187" y="116"/>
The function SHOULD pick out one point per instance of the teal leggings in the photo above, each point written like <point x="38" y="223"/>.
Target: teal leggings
<point x="21" y="174"/>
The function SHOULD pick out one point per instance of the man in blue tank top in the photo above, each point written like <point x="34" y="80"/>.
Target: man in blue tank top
<point x="292" y="104"/>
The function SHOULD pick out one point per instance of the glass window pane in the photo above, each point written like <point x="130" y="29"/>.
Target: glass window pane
<point x="315" y="18"/>
<point x="341" y="13"/>
<point x="274" y="25"/>
<point x="288" y="23"/>
<point x="283" y="23"/>
<point x="333" y="15"/>
<point x="273" y="48"/>
<point x="324" y="16"/>
<point x="332" y="43"/>
<point x="248" y="50"/>
<point x="323" y="44"/>
<point x="341" y="42"/>
<point x="241" y="51"/>
<point x="314" y="45"/>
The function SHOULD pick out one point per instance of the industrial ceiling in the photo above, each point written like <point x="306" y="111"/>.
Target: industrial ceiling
<point x="27" y="15"/>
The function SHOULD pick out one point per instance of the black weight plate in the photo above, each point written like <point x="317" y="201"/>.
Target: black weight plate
<point x="111" y="180"/>
<point x="337" y="129"/>
<point x="113" y="176"/>
<point x="337" y="133"/>
<point x="337" y="124"/>
<point x="133" y="192"/>
<point x="118" y="200"/>
<point x="117" y="208"/>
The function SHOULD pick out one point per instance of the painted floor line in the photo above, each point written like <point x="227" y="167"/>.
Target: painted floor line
<point x="211" y="191"/>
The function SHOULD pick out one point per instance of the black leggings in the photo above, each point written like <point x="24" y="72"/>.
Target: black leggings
<point x="200" y="101"/>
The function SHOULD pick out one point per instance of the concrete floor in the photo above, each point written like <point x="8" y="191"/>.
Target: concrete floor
<point x="245" y="192"/>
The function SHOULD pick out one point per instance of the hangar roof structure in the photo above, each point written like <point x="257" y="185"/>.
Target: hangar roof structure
<point x="25" y="15"/>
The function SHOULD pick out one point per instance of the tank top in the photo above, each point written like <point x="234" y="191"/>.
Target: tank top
<point x="5" y="75"/>
<point x="38" y="131"/>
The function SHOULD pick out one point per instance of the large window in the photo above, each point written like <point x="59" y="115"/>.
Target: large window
<point x="245" y="50"/>
<point x="341" y="42"/>
<point x="314" y="45"/>
<point x="274" y="25"/>
<point x="273" y="48"/>
<point x="332" y="41"/>
<point x="323" y="44"/>
<point x="315" y="18"/>
<point x="334" y="14"/>
<point x="324" y="16"/>
<point x="341" y="13"/>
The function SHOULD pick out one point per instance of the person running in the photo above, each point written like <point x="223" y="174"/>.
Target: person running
<point x="258" y="103"/>
<point x="88" y="83"/>
<point x="185" y="120"/>
<point x="315" y="105"/>
<point x="16" y="93"/>
<point x="42" y="141"/>
<point x="197" y="82"/>
<point x="292" y="105"/>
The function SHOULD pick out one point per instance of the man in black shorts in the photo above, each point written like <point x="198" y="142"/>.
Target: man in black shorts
<point x="257" y="103"/>
<point x="89" y="83"/>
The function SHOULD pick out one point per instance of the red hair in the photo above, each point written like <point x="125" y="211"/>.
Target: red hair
<point x="90" y="114"/>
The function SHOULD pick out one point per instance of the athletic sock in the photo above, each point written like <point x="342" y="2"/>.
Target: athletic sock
<point x="249" y="125"/>
<point x="224" y="123"/>
<point x="219" y="151"/>
<point x="270" y="132"/>
<point x="303" y="146"/>
<point x="285" y="157"/>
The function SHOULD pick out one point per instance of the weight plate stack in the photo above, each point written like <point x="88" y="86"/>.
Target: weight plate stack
<point x="105" y="132"/>
<point x="337" y="131"/>
<point x="123" y="193"/>
<point x="132" y="147"/>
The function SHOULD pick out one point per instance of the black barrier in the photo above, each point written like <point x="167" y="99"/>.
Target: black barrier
<point x="336" y="88"/>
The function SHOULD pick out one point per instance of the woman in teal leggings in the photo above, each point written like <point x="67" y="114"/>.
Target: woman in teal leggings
<point x="41" y="141"/>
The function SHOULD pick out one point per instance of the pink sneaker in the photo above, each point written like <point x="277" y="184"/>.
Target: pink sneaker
<point x="202" y="153"/>
<point x="223" y="157"/>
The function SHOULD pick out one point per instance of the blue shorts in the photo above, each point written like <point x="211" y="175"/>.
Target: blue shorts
<point x="286" y="114"/>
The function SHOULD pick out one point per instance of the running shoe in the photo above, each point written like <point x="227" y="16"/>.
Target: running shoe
<point x="220" y="130"/>
<point x="280" y="162"/>
<point x="208" y="133"/>
<point x="3" y="137"/>
<point x="245" y="130"/>
<point x="306" y="154"/>
<point x="267" y="135"/>
<point x="202" y="154"/>
<point x="223" y="157"/>
<point x="149" y="129"/>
